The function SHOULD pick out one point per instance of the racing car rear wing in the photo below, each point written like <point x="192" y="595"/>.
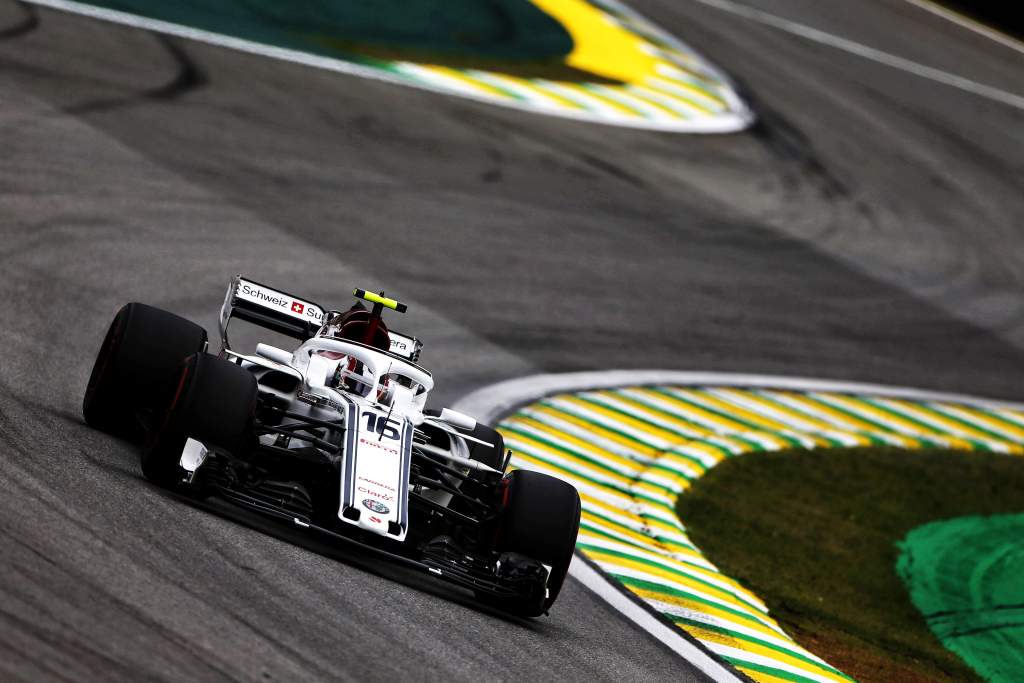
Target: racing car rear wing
<point x="289" y="315"/>
<point x="269" y="308"/>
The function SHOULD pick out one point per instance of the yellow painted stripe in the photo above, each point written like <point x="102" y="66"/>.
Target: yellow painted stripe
<point x="932" y="417"/>
<point x="595" y="425"/>
<point x="474" y="83"/>
<point x="749" y="416"/>
<point x="723" y="594"/>
<point x="695" y="412"/>
<point x="792" y="419"/>
<point x="901" y="424"/>
<point x="758" y="622"/>
<point x="842" y="418"/>
<point x="621" y="464"/>
<point x="678" y="426"/>
<point x="1007" y="429"/>
<point x="614" y="104"/>
<point x="747" y="646"/>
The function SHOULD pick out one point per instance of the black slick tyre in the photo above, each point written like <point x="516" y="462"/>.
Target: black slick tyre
<point x="540" y="520"/>
<point x="137" y="362"/>
<point x="214" y="402"/>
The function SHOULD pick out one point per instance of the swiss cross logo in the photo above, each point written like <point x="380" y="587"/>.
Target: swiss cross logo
<point x="297" y="307"/>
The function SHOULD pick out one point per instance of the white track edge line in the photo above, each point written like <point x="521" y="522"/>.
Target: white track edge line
<point x="873" y="54"/>
<point x="491" y="403"/>
<point x="731" y="123"/>
<point x="969" y="24"/>
<point x="499" y="399"/>
<point x="598" y="583"/>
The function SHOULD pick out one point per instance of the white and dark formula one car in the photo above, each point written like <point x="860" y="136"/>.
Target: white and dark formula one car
<point x="334" y="437"/>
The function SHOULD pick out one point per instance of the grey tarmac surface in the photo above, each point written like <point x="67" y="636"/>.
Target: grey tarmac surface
<point x="867" y="230"/>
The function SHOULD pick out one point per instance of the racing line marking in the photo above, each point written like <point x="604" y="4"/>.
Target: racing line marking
<point x="633" y="441"/>
<point x="870" y="53"/>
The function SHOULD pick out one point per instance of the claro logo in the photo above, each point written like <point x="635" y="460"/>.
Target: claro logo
<point x="378" y="494"/>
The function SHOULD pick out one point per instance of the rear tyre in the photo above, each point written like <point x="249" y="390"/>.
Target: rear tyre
<point x="136" y="365"/>
<point x="540" y="519"/>
<point x="214" y="402"/>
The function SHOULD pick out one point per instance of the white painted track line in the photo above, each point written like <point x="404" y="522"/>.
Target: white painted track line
<point x="969" y="24"/>
<point x="866" y="52"/>
<point x="491" y="403"/>
<point x="671" y="637"/>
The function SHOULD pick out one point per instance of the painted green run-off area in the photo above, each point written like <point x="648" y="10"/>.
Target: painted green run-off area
<point x="966" y="576"/>
<point x="814" y="534"/>
<point x="373" y="30"/>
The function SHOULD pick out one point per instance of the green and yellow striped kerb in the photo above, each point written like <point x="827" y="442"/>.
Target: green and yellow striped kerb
<point x="642" y="77"/>
<point x="633" y="451"/>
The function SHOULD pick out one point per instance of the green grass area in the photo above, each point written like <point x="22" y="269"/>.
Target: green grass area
<point x="509" y="30"/>
<point x="814" y="534"/>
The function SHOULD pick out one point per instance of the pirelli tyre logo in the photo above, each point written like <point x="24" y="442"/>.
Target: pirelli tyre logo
<point x="277" y="301"/>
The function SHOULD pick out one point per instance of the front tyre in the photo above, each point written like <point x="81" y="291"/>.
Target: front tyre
<point x="139" y="358"/>
<point x="214" y="402"/>
<point x="540" y="519"/>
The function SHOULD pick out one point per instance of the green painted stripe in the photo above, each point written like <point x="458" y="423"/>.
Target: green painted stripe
<point x="568" y="451"/>
<point x="594" y="398"/>
<point x="685" y="595"/>
<point x="714" y="587"/>
<point x="634" y="478"/>
<point x="584" y="524"/>
<point x="996" y="417"/>
<point x="822" y="400"/>
<point x="783" y="408"/>
<point x="707" y="396"/>
<point x="704" y="467"/>
<point x="1011" y="417"/>
<point x="624" y="490"/>
<point x="597" y="92"/>
<point x="873" y="438"/>
<point x="754" y="446"/>
<point x="778" y="673"/>
<point x="616" y="523"/>
<point x="636" y="418"/>
<point x="794" y="653"/>
<point x="599" y="549"/>
<point x="699" y="428"/>
<point x="907" y="417"/>
<point x="963" y="422"/>
<point x="495" y="83"/>
<point x="645" y="462"/>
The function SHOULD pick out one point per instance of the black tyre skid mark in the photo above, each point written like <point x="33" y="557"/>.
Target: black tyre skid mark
<point x="189" y="76"/>
<point x="27" y="25"/>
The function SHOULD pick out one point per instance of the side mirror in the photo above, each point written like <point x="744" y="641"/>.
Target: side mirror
<point x="457" y="419"/>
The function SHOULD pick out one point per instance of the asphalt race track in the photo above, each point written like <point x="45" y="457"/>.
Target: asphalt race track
<point x="867" y="229"/>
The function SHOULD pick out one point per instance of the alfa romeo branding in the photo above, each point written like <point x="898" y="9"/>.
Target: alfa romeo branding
<point x="376" y="506"/>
